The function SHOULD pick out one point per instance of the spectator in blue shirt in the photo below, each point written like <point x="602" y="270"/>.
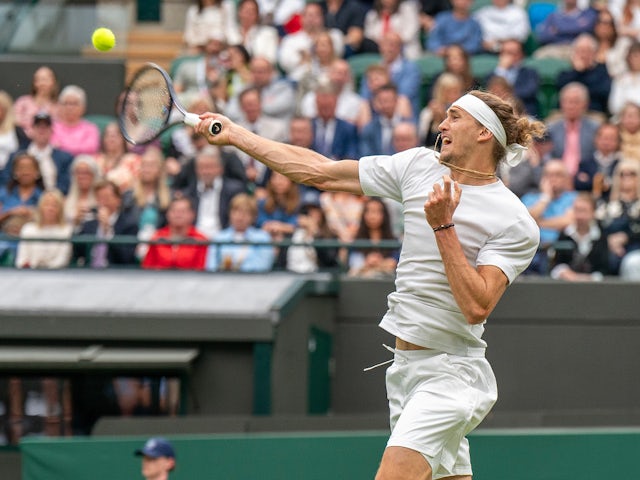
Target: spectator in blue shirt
<point x="18" y="200"/>
<point x="551" y="208"/>
<point x="455" y="26"/>
<point x="561" y="27"/>
<point x="242" y="258"/>
<point x="405" y="74"/>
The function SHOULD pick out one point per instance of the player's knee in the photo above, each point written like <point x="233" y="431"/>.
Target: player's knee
<point x="399" y="463"/>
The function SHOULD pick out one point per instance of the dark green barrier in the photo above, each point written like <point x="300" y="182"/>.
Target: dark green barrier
<point x="496" y="455"/>
<point x="228" y="457"/>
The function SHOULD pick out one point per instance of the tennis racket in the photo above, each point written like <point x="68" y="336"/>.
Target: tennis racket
<point x="149" y="107"/>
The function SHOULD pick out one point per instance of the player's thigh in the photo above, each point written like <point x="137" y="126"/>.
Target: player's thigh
<point x="401" y="463"/>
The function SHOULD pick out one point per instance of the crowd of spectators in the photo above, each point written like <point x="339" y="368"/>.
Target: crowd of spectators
<point x="282" y="70"/>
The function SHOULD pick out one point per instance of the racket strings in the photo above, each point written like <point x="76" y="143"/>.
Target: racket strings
<point x="146" y="107"/>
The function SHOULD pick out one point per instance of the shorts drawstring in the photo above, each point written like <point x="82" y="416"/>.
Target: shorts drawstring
<point x="392" y="350"/>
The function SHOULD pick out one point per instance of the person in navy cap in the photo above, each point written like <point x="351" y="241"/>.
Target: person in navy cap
<point x="158" y="458"/>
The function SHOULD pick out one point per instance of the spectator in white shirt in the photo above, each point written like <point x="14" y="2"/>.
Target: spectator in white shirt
<point x="295" y="48"/>
<point x="500" y="21"/>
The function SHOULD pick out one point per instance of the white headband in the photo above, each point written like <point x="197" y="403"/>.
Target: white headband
<point x="488" y="118"/>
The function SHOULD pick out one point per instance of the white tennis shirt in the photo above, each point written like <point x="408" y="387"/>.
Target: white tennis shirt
<point x="493" y="226"/>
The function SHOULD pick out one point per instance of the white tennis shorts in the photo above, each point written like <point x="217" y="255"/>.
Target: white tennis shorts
<point x="435" y="400"/>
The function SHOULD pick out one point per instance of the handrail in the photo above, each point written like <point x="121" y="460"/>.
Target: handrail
<point x="12" y="22"/>
<point x="87" y="241"/>
<point x="132" y="239"/>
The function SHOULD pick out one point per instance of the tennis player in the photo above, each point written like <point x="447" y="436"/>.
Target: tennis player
<point x="453" y="269"/>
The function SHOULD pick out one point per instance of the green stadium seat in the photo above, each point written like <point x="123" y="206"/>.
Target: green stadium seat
<point x="482" y="65"/>
<point x="530" y="45"/>
<point x="478" y="4"/>
<point x="430" y="67"/>
<point x="548" y="70"/>
<point x="359" y="64"/>
<point x="177" y="61"/>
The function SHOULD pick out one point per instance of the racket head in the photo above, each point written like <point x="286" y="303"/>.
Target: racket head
<point x="146" y="107"/>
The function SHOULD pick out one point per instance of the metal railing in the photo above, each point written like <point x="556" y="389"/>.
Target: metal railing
<point x="90" y="240"/>
<point x="51" y="27"/>
<point x="12" y="15"/>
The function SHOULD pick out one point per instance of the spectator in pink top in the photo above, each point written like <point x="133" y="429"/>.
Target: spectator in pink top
<point x="43" y="97"/>
<point x="71" y="132"/>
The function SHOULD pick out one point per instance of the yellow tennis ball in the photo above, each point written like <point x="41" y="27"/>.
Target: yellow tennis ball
<point x="103" y="39"/>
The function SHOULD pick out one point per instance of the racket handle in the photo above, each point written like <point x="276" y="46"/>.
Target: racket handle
<point x="191" y="119"/>
<point x="215" y="127"/>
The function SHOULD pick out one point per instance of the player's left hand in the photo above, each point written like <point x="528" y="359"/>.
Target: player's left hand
<point x="442" y="202"/>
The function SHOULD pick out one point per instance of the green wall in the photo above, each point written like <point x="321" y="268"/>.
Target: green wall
<point x="496" y="455"/>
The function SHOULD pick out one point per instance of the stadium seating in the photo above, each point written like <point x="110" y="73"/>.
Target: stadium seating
<point x="482" y="65"/>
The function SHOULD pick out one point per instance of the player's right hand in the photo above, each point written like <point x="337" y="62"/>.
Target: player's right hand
<point x="442" y="201"/>
<point x="206" y="119"/>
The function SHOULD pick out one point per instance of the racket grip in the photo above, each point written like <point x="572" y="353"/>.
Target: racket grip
<point x="215" y="127"/>
<point x="191" y="119"/>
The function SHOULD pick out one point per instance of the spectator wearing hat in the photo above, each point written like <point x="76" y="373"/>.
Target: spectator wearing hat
<point x="55" y="164"/>
<point x="158" y="458"/>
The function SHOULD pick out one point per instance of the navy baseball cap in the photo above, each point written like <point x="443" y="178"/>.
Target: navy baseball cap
<point x="42" y="117"/>
<point x="156" y="447"/>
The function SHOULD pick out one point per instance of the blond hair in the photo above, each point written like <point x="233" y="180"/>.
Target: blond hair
<point x="6" y="104"/>
<point x="163" y="193"/>
<point x="444" y="81"/>
<point x="244" y="201"/>
<point x="56" y="195"/>
<point x="519" y="129"/>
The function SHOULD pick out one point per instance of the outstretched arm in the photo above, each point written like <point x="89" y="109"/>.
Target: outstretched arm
<point x="299" y="164"/>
